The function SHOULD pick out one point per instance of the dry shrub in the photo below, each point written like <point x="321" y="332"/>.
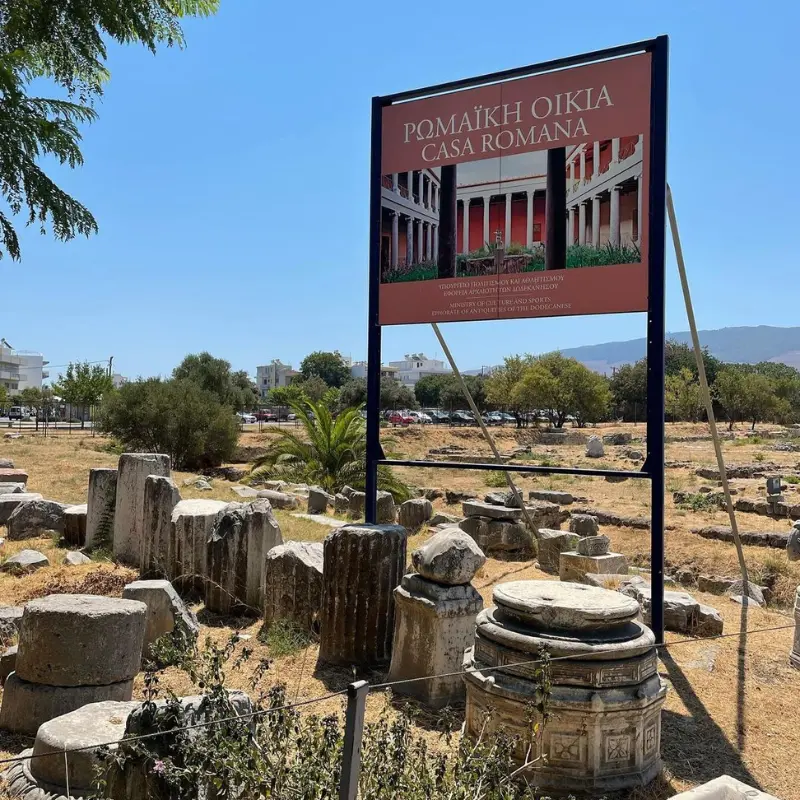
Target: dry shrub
<point x="104" y="582"/>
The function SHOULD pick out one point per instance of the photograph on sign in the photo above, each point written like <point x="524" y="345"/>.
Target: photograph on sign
<point x="526" y="198"/>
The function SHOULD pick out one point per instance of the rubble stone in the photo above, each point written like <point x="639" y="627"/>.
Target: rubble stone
<point x="449" y="557"/>
<point x="413" y="514"/>
<point x="34" y="518"/>
<point x="11" y="501"/>
<point x="76" y="559"/>
<point x="561" y="498"/>
<point x="25" y="561"/>
<point x="318" y="500"/>
<point x="75" y="525"/>
<point x="551" y="544"/>
<point x="583" y="525"/>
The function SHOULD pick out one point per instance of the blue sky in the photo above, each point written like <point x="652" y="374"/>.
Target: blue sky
<point x="230" y="180"/>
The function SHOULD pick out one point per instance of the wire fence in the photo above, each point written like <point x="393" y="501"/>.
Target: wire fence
<point x="357" y="693"/>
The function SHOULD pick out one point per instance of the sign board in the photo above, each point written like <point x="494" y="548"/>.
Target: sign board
<point x="525" y="197"/>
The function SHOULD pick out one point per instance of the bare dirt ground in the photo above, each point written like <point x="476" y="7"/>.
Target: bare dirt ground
<point x="733" y="702"/>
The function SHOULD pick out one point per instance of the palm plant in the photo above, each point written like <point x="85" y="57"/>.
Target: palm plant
<point x="328" y="452"/>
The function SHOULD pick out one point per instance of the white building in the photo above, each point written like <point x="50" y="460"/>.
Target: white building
<point x="272" y="375"/>
<point x="358" y="369"/>
<point x="118" y="380"/>
<point x="417" y="365"/>
<point x="21" y="369"/>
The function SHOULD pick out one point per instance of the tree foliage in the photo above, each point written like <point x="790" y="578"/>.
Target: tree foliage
<point x="396" y="396"/>
<point x="83" y="385"/>
<point x="353" y="393"/>
<point x="176" y="417"/>
<point x="327" y="451"/>
<point x="330" y="367"/>
<point x="215" y="375"/>
<point x="682" y="396"/>
<point x="65" y="44"/>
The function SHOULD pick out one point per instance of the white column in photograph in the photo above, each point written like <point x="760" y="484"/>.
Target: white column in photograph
<point x="429" y="242"/>
<point x="614" y="151"/>
<point x="409" y="241"/>
<point x="465" y="224"/>
<point x="640" y="143"/>
<point x="583" y="165"/>
<point x="508" y="219"/>
<point x="571" y="175"/>
<point x="487" y="199"/>
<point x="613" y="234"/>
<point x="434" y="199"/>
<point x="395" y="183"/>
<point x="596" y="221"/>
<point x="410" y="184"/>
<point x="421" y="188"/>
<point x="571" y="226"/>
<point x="596" y="160"/>
<point x="529" y="224"/>
<point x="395" y="237"/>
<point x="639" y="207"/>
<point x="430" y="193"/>
<point x="420" y="242"/>
<point x="435" y="254"/>
<point x="582" y="222"/>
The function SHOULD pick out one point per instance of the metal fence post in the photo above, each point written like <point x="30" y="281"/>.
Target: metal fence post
<point x="354" y="727"/>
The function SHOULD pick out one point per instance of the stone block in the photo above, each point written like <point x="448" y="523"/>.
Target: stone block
<point x="708" y="621"/>
<point x="561" y="498"/>
<point x="129" y="522"/>
<point x="235" y="556"/>
<point x="75" y="525"/>
<point x="166" y="612"/>
<point x="386" y="511"/>
<point x="755" y="592"/>
<point x="318" y="500"/>
<point x="413" y="514"/>
<point x="450" y="557"/>
<point x="245" y="492"/>
<point x="100" y="508"/>
<point x="444" y="519"/>
<point x="434" y="625"/>
<point x="574" y="566"/>
<point x="161" y="495"/>
<point x="13" y="475"/>
<point x="24" y="562"/>
<point x="193" y="522"/>
<point x="80" y="640"/>
<point x="35" y="517"/>
<point x="293" y="584"/>
<point x="362" y="566"/>
<point x="617" y="438"/>
<point x="584" y="525"/>
<point x="6" y="463"/>
<point x="280" y="499"/>
<point x="11" y="488"/>
<point x="341" y="503"/>
<point x="498" y="498"/>
<point x="11" y="616"/>
<point x="551" y="544"/>
<point x="80" y="734"/>
<point x="724" y="788"/>
<point x="355" y="504"/>
<point x="501" y="539"/>
<point x="594" y="447"/>
<point x="8" y="662"/>
<point x="594" y="545"/>
<point x="546" y="515"/>
<point x="475" y="508"/>
<point x="27" y="705"/>
<point x="714" y="584"/>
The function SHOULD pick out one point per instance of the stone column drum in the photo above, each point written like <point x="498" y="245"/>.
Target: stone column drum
<point x="293" y="584"/>
<point x="794" y="656"/>
<point x="235" y="555"/>
<point x="193" y="522"/>
<point x="362" y="566"/>
<point x="161" y="495"/>
<point x="435" y="618"/>
<point x="102" y="501"/>
<point x="73" y="650"/>
<point x="605" y="702"/>
<point x="129" y="511"/>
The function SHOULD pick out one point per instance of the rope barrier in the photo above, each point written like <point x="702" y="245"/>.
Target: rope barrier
<point x="385" y="685"/>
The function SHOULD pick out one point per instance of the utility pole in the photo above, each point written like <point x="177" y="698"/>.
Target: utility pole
<point x="110" y="362"/>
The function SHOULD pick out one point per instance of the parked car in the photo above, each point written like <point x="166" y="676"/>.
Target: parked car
<point x="15" y="412"/>
<point x="462" y="418"/>
<point x="262" y="415"/>
<point x="493" y="418"/>
<point x="400" y="418"/>
<point x="420" y="417"/>
<point x="439" y="417"/>
<point x="508" y="418"/>
<point x="247" y="419"/>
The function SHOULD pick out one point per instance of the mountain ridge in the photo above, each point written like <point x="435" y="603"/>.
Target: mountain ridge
<point x="742" y="344"/>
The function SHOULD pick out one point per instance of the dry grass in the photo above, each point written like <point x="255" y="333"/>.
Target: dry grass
<point x="732" y="707"/>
